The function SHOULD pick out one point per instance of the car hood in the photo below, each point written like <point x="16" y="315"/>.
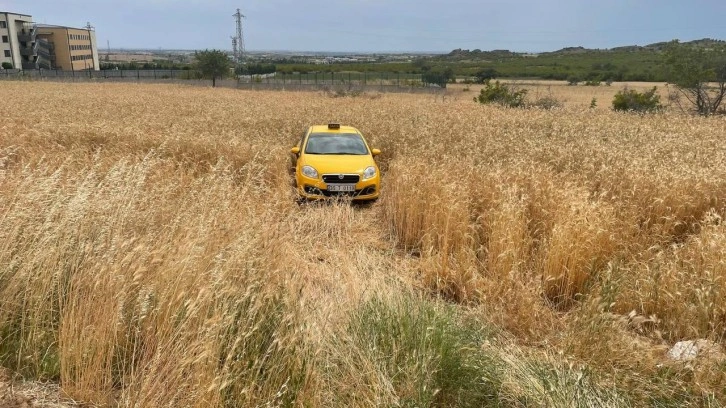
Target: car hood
<point x="327" y="164"/>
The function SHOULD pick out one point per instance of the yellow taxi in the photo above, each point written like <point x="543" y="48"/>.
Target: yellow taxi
<point x="335" y="161"/>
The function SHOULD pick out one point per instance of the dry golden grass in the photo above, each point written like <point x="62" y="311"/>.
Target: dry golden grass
<point x="152" y="253"/>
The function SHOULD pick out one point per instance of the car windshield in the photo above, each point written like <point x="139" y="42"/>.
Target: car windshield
<point x="336" y="143"/>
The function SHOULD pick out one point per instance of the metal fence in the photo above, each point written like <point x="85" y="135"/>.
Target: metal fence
<point x="104" y="74"/>
<point x="386" y="81"/>
<point x="339" y="78"/>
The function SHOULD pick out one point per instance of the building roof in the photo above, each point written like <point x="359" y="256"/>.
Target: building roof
<point x="64" y="27"/>
<point x="15" y="14"/>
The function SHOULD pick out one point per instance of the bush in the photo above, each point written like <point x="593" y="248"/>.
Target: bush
<point x="426" y="353"/>
<point x="547" y="102"/>
<point x="502" y="94"/>
<point x="573" y="80"/>
<point x="7" y="65"/>
<point x="632" y="100"/>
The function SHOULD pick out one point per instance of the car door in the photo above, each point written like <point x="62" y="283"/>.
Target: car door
<point x="299" y="145"/>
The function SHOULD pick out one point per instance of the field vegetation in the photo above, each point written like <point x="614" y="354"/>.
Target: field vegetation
<point x="628" y="63"/>
<point x="152" y="251"/>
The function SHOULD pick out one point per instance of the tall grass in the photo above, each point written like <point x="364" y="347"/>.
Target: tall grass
<point x="152" y="253"/>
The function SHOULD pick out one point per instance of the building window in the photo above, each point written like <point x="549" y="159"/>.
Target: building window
<point x="3" y="24"/>
<point x="7" y="53"/>
<point x="5" y="39"/>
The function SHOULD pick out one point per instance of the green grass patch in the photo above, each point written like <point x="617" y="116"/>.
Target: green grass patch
<point x="427" y="354"/>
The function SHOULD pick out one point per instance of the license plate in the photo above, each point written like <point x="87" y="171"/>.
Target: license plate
<point x="341" y="187"/>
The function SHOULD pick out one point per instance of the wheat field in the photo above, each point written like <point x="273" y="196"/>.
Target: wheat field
<point x="152" y="251"/>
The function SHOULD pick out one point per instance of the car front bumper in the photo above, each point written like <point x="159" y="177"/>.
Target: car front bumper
<point x="318" y="190"/>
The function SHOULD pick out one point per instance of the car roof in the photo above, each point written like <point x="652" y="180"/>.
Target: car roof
<point x="325" y="129"/>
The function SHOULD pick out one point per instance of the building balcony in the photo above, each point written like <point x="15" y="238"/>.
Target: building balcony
<point x="26" y="37"/>
<point x="44" y="53"/>
<point x="28" y="52"/>
<point x="43" y="62"/>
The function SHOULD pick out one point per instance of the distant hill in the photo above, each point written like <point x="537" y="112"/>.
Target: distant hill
<point x="477" y="54"/>
<point x="575" y="64"/>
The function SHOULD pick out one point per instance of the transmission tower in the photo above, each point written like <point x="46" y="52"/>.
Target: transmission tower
<point x="235" y="51"/>
<point x="240" y="49"/>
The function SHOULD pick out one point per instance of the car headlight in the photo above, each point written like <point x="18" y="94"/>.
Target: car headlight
<point x="369" y="173"/>
<point x="308" y="171"/>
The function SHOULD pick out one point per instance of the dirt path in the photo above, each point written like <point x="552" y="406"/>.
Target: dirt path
<point x="344" y="255"/>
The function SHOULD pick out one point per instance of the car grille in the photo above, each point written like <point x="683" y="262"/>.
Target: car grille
<point x="316" y="191"/>
<point x="335" y="178"/>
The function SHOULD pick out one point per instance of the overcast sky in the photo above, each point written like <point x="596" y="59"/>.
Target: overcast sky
<point x="384" y="25"/>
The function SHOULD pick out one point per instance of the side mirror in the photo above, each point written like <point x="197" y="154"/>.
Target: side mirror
<point x="295" y="150"/>
<point x="375" y="152"/>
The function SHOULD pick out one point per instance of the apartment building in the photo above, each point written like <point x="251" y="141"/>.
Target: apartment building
<point x="26" y="45"/>
<point x="73" y="49"/>
<point x="19" y="45"/>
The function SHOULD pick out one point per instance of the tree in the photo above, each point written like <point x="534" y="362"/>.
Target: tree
<point x="212" y="64"/>
<point x="699" y="75"/>
<point x="438" y="77"/>
<point x="485" y="74"/>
